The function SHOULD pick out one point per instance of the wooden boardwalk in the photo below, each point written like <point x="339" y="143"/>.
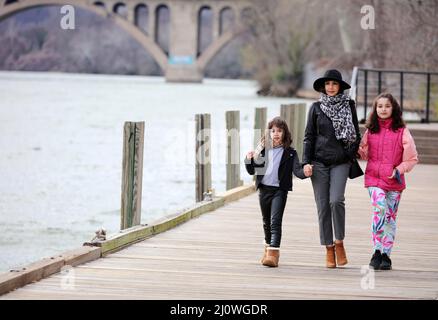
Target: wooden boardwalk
<point x="216" y="256"/>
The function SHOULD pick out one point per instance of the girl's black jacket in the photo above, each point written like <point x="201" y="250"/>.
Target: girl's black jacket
<point x="289" y="163"/>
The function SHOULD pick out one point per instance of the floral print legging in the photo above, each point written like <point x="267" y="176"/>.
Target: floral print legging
<point x="385" y="206"/>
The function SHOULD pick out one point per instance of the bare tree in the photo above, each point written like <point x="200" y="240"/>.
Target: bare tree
<point x="287" y="34"/>
<point x="285" y="37"/>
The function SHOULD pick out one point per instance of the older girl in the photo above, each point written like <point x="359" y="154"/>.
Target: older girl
<point x="390" y="150"/>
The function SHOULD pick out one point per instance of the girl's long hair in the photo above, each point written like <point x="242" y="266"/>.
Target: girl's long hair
<point x="397" y="119"/>
<point x="281" y="124"/>
<point x="287" y="136"/>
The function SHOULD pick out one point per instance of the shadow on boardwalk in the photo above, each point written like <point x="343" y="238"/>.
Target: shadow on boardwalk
<point x="216" y="256"/>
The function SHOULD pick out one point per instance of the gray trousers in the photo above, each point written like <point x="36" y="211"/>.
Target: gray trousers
<point x="329" y="190"/>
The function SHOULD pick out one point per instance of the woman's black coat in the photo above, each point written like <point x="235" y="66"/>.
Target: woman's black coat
<point x="320" y="143"/>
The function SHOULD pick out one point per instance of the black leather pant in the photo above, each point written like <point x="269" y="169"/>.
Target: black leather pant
<point x="272" y="203"/>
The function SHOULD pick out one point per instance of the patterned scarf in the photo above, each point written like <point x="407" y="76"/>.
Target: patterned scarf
<point x="338" y="110"/>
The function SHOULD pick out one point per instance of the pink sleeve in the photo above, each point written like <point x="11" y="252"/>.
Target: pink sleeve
<point x="363" y="147"/>
<point x="410" y="155"/>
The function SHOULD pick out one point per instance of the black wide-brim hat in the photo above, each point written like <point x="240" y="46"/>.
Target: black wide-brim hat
<point x="333" y="74"/>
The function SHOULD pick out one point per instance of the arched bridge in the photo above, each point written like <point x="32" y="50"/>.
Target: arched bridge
<point x="181" y="35"/>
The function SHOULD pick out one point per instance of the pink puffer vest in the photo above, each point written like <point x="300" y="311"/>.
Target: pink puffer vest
<point x="385" y="152"/>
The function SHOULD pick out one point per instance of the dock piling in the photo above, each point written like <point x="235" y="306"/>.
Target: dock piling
<point x="132" y="175"/>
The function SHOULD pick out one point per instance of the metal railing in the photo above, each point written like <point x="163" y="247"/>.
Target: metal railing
<point x="354" y="91"/>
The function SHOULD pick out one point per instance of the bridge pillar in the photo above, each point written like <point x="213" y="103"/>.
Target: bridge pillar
<point x="183" y="74"/>
<point x="182" y="66"/>
<point x="131" y="13"/>
<point x="151" y="21"/>
<point x="216" y="23"/>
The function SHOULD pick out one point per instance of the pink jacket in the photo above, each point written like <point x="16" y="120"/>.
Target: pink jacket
<point x="385" y="151"/>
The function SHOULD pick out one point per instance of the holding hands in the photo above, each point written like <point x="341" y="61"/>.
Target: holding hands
<point x="250" y="155"/>
<point x="308" y="170"/>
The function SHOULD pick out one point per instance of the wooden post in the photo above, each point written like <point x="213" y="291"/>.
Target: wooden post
<point x="233" y="149"/>
<point x="295" y="117"/>
<point x="299" y="127"/>
<point x="202" y="155"/>
<point x="260" y="124"/>
<point x="287" y="113"/>
<point x="132" y="176"/>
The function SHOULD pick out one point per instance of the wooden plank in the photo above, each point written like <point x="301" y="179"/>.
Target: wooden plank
<point x="46" y="267"/>
<point x="81" y="255"/>
<point x="237" y="193"/>
<point x="132" y="235"/>
<point x="216" y="256"/>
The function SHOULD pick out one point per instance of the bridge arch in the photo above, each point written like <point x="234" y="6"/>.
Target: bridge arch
<point x="225" y="35"/>
<point x="99" y="4"/>
<point x="162" y="27"/>
<point x="204" y="29"/>
<point x="120" y="9"/>
<point x="227" y="19"/>
<point x="9" y="9"/>
<point x="141" y="17"/>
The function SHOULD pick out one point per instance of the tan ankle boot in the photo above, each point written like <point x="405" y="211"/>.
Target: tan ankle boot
<point x="272" y="257"/>
<point x="264" y="253"/>
<point x="341" y="256"/>
<point x="330" y="257"/>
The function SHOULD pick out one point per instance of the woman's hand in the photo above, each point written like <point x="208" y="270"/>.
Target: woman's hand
<point x="250" y="155"/>
<point x="308" y="170"/>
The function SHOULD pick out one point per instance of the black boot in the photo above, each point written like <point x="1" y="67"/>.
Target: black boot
<point x="376" y="260"/>
<point x="386" y="262"/>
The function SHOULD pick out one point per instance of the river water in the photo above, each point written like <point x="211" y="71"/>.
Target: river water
<point x="61" y="139"/>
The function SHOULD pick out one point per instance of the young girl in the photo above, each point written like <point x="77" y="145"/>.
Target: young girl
<point x="273" y="163"/>
<point x="390" y="150"/>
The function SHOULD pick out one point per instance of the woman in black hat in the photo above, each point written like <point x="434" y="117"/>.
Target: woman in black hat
<point x="331" y="142"/>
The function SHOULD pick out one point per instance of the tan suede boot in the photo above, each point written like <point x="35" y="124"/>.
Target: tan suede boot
<point x="272" y="257"/>
<point x="341" y="256"/>
<point x="330" y="257"/>
<point x="264" y="253"/>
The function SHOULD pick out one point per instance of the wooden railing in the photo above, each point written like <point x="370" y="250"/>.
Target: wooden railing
<point x="397" y="88"/>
